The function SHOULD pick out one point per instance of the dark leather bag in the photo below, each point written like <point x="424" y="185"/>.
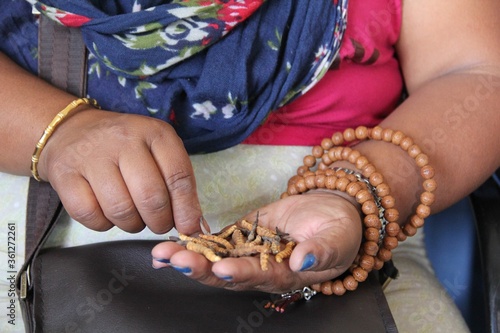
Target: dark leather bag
<point x="111" y="287"/>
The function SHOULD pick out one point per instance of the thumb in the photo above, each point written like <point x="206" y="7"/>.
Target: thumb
<point x="334" y="248"/>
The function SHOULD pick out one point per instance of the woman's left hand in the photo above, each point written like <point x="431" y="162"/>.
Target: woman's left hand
<point x="326" y="227"/>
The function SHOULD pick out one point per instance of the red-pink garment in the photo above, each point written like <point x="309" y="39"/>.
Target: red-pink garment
<point x="361" y="88"/>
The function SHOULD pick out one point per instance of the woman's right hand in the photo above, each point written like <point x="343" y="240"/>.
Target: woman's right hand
<point x="120" y="169"/>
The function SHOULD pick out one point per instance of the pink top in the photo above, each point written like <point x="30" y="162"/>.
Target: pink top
<point x="361" y="88"/>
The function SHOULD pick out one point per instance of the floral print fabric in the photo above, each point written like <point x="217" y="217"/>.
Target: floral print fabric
<point x="213" y="69"/>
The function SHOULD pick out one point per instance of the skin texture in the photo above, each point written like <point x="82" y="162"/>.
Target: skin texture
<point x="450" y="58"/>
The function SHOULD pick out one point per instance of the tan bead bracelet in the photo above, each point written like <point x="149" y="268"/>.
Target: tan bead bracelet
<point x="380" y="221"/>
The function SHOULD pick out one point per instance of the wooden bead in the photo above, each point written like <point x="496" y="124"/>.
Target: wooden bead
<point x="326" y="288"/>
<point x="359" y="274"/>
<point x="369" y="207"/>
<point x="337" y="152"/>
<point x="338" y="288"/>
<point x="392" y="229"/>
<point x="430" y="185"/>
<point x="310" y="182"/>
<point x="371" y="234"/>
<point x="406" y="143"/>
<point x="330" y="172"/>
<point x="409" y="230"/>
<point x="363" y="196"/>
<point x="376" y="133"/>
<point x="361" y="162"/>
<point x="361" y="132"/>
<point x="301" y="185"/>
<point x="353" y="188"/>
<point x="331" y="154"/>
<point x="390" y="242"/>
<point x="293" y="180"/>
<point x="318" y="151"/>
<point x="350" y="283"/>
<point x="342" y="184"/>
<point x="388" y="201"/>
<point x="372" y="221"/>
<point x="337" y="138"/>
<point x="401" y="236"/>
<point x="284" y="195"/>
<point x="349" y="134"/>
<point x="427" y="172"/>
<point x="309" y="173"/>
<point x="366" y="262"/>
<point x="326" y="143"/>
<point x="370" y="248"/>
<point x="330" y="182"/>
<point x="323" y="166"/>
<point x="382" y="190"/>
<point x="292" y="190"/>
<point x="427" y="198"/>
<point x="397" y="137"/>
<point x="309" y="161"/>
<point x="378" y="264"/>
<point x="326" y="159"/>
<point x="417" y="221"/>
<point x="422" y="160"/>
<point x="387" y="135"/>
<point x="346" y="151"/>
<point x="301" y="170"/>
<point x="423" y="211"/>
<point x="414" y="150"/>
<point x="376" y="179"/>
<point x="353" y="156"/>
<point x="384" y="254"/>
<point x="391" y="214"/>
<point x="339" y="173"/>
<point x="316" y="287"/>
<point x="368" y="170"/>
<point x="320" y="181"/>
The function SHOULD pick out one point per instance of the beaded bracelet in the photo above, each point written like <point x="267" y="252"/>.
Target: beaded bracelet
<point x="51" y="128"/>
<point x="373" y="253"/>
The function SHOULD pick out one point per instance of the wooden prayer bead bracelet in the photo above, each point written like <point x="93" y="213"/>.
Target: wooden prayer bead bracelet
<point x="381" y="229"/>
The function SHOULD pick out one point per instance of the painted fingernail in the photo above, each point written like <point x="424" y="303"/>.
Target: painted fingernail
<point x="164" y="261"/>
<point x="183" y="270"/>
<point x="308" y="262"/>
<point x="225" y="277"/>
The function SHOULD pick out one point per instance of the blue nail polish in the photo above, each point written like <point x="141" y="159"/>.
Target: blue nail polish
<point x="165" y="261"/>
<point x="308" y="262"/>
<point x="226" y="277"/>
<point x="183" y="270"/>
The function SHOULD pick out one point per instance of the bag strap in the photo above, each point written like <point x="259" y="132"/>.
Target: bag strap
<point x="62" y="61"/>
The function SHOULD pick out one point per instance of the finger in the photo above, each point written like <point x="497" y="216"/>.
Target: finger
<point x="147" y="189"/>
<point x="80" y="202"/>
<point x="177" y="171"/>
<point x="114" y="198"/>
<point x="332" y="248"/>
<point x="191" y="264"/>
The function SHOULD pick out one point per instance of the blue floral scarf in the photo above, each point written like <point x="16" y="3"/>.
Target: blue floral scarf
<point x="213" y="68"/>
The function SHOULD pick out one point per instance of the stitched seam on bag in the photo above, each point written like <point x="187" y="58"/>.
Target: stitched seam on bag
<point x="41" y="298"/>
<point x="389" y="325"/>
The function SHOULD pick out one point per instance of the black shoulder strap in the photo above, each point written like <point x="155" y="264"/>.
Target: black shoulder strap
<point x="61" y="61"/>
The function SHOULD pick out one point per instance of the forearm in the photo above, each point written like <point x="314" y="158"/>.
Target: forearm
<point x="28" y="104"/>
<point x="455" y="121"/>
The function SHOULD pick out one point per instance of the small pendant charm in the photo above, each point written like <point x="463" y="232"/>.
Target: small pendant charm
<point x="291" y="297"/>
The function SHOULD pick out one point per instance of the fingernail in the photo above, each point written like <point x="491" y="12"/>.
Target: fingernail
<point x="165" y="261"/>
<point x="308" y="262"/>
<point x="183" y="270"/>
<point x="225" y="277"/>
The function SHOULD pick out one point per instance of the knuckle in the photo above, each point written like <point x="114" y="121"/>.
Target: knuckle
<point x="153" y="203"/>
<point x="89" y="215"/>
<point x="120" y="211"/>
<point x="180" y="182"/>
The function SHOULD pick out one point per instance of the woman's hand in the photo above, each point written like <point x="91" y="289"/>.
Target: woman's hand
<point x="326" y="227"/>
<point x="125" y="170"/>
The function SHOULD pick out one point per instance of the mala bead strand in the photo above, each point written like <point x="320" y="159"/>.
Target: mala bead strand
<point x="382" y="231"/>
